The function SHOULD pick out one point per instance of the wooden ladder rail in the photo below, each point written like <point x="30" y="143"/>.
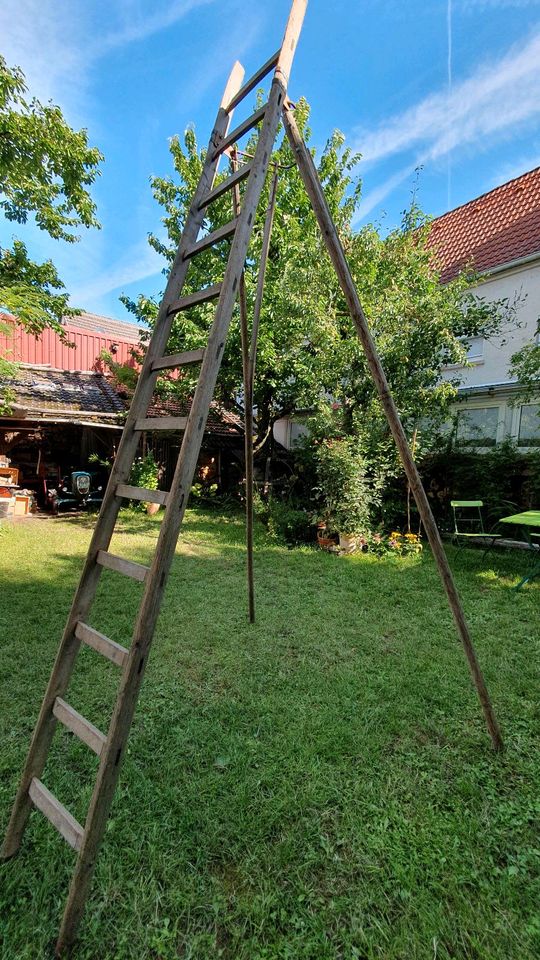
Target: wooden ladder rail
<point x="177" y="500"/>
<point x="330" y="236"/>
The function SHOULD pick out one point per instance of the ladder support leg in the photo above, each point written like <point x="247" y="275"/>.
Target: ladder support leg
<point x="330" y="236"/>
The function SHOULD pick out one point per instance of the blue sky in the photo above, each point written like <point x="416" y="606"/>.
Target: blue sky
<point x="452" y="86"/>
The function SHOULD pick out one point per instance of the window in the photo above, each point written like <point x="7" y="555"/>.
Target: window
<point x="475" y="349"/>
<point x="477" y="426"/>
<point x="529" y="425"/>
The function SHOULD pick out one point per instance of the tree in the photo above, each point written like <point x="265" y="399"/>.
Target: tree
<point x="525" y="366"/>
<point x="308" y="350"/>
<point x="46" y="168"/>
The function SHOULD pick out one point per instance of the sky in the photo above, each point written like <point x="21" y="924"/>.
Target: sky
<point x="441" y="98"/>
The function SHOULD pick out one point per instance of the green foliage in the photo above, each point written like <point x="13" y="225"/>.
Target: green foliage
<point x="308" y="349"/>
<point x="525" y="366"/>
<point x="506" y="479"/>
<point x="45" y="170"/>
<point x="284" y="522"/>
<point x="144" y="473"/>
<point x="33" y="292"/>
<point x="45" y="165"/>
<point x="345" y="493"/>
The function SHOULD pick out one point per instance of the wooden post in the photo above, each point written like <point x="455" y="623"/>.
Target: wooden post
<point x="333" y="244"/>
<point x="265" y="247"/>
<point x="248" y="409"/>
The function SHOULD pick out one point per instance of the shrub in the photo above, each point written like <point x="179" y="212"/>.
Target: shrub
<point x="345" y="491"/>
<point x="144" y="473"/>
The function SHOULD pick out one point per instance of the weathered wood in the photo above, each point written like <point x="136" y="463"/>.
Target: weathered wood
<point x="290" y="40"/>
<point x="101" y="644"/>
<point x="120" y="565"/>
<point x="179" y="360"/>
<point x="161" y="423"/>
<point x="103" y="530"/>
<point x="253" y="81"/>
<point x="333" y="244"/>
<point x="222" y="233"/>
<point x="79" y="725"/>
<point x="56" y="813"/>
<point x="193" y="299"/>
<point x="241" y="130"/>
<point x="225" y="185"/>
<point x="168" y="534"/>
<point x="127" y="492"/>
<point x="248" y="416"/>
<point x="265" y="248"/>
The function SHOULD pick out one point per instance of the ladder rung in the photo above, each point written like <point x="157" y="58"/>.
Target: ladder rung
<point x="253" y="81"/>
<point x="178" y="360"/>
<point x="79" y="725"/>
<point x="99" y="642"/>
<point x="240" y="130"/>
<point x="161" y="423"/>
<point x="130" y="569"/>
<point x="56" y="813"/>
<point x="225" y="185"/>
<point x="211" y="238"/>
<point x="201" y="296"/>
<point x="141" y="493"/>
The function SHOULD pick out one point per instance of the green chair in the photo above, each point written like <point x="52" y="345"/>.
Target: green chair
<point x="469" y="524"/>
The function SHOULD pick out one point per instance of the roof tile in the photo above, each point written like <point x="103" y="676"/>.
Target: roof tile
<point x="494" y="229"/>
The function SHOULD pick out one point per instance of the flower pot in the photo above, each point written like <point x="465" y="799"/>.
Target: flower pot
<point x="152" y="509"/>
<point x="347" y="542"/>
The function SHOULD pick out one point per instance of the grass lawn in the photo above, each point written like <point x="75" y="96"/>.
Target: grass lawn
<point x="317" y="786"/>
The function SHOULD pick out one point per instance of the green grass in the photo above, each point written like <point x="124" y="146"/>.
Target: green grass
<point x="317" y="786"/>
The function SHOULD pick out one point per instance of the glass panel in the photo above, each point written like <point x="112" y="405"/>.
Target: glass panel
<point x="475" y="348"/>
<point x="529" y="426"/>
<point x="478" y="426"/>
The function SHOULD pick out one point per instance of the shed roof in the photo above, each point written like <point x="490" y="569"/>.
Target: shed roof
<point x="494" y="229"/>
<point x="105" y="326"/>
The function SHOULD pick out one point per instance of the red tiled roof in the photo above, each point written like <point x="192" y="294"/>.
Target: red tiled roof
<point x="496" y="228"/>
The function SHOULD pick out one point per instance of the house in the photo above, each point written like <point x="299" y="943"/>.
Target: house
<point x="64" y="406"/>
<point x="498" y="234"/>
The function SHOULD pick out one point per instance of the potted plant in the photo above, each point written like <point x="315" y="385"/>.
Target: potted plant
<point x="145" y="473"/>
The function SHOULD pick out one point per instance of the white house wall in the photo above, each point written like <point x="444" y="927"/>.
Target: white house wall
<point x="493" y="368"/>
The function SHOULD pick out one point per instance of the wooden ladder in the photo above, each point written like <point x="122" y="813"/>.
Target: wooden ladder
<point x="132" y="661"/>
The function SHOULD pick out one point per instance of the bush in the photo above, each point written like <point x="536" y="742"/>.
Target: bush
<point x="345" y="491"/>
<point x="144" y="473"/>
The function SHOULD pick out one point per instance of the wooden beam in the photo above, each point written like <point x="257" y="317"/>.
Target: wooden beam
<point x="226" y="185"/>
<point x="101" y="644"/>
<point x="128" y="492"/>
<point x="120" y="565"/>
<point x="179" y="360"/>
<point x="192" y="299"/>
<point x="56" y="813"/>
<point x="161" y="423"/>
<point x="250" y="84"/>
<point x="222" y="233"/>
<point x="241" y="130"/>
<point x="79" y="725"/>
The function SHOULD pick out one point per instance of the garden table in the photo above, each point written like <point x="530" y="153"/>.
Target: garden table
<point x="526" y="521"/>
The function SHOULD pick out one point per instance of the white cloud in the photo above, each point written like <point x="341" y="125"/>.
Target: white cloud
<point x="52" y="42"/>
<point x="138" y="263"/>
<point x="493" y="101"/>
